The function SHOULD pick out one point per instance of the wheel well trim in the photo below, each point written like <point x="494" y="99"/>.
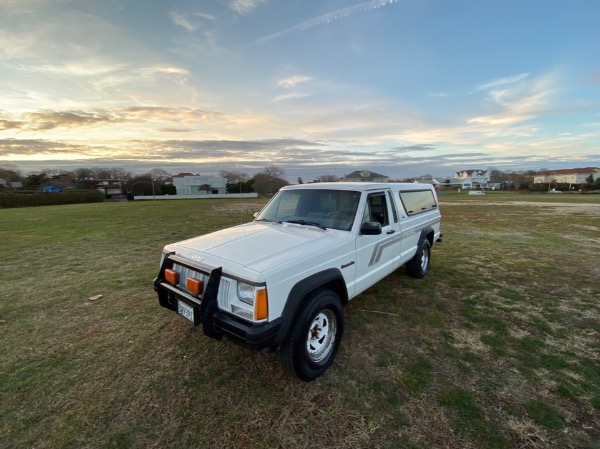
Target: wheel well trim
<point x="427" y="233"/>
<point x="331" y="278"/>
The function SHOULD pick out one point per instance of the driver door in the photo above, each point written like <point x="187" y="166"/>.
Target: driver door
<point x="378" y="255"/>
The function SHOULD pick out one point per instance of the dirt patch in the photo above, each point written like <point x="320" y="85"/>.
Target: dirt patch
<point x="231" y="208"/>
<point x="565" y="208"/>
<point x="593" y="208"/>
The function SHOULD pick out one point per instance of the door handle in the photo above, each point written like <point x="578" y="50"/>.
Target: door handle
<point x="391" y="231"/>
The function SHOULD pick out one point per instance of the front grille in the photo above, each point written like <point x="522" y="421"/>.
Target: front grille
<point x="185" y="273"/>
<point x="223" y="296"/>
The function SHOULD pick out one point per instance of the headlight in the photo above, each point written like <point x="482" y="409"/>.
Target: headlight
<point x="245" y="293"/>
<point x="256" y="298"/>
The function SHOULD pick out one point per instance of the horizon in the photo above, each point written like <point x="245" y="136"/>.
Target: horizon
<point x="398" y="87"/>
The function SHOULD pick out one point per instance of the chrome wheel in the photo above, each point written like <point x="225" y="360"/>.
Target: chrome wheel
<point x="425" y="259"/>
<point x="320" y="339"/>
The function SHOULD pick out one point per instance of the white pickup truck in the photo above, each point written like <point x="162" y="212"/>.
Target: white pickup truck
<point x="281" y="281"/>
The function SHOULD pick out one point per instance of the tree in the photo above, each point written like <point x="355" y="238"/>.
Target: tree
<point x="140" y="185"/>
<point x="274" y="171"/>
<point x="327" y="178"/>
<point x="237" y="182"/>
<point x="168" y="189"/>
<point x="266" y="183"/>
<point x="34" y="181"/>
<point x="234" y="177"/>
<point x="205" y="188"/>
<point x="53" y="172"/>
<point x="120" y="173"/>
<point x="590" y="180"/>
<point x="159" y="174"/>
<point x="86" y="174"/>
<point x="10" y="173"/>
<point x="84" y="178"/>
<point x="102" y="173"/>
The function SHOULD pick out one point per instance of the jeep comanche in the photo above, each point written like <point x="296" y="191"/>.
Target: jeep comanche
<point x="281" y="281"/>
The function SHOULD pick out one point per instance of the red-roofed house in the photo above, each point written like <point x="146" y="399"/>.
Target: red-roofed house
<point x="569" y="176"/>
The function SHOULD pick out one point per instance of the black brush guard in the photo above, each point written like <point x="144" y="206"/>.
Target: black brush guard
<point x="205" y="306"/>
<point x="215" y="323"/>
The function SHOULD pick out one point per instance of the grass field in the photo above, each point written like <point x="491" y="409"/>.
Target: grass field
<point x="499" y="347"/>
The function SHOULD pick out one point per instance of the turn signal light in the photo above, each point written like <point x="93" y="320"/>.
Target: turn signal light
<point x="171" y="276"/>
<point x="261" y="305"/>
<point x="194" y="286"/>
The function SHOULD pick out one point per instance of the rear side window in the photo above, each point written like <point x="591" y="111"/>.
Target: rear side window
<point x="418" y="201"/>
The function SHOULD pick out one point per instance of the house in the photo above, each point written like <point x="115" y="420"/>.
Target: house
<point x="112" y="188"/>
<point x="472" y="179"/>
<point x="364" y="176"/>
<point x="569" y="176"/>
<point x="189" y="184"/>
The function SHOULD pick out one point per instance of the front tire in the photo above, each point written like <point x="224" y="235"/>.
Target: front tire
<point x="418" y="266"/>
<point x="315" y="336"/>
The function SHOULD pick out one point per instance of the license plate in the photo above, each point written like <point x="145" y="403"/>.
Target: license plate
<point x="185" y="311"/>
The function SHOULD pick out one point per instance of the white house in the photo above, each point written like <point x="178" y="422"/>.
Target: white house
<point x="189" y="184"/>
<point x="473" y="179"/>
<point x="468" y="179"/>
<point x="566" y="176"/>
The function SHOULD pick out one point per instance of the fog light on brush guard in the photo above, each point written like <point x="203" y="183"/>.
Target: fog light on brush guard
<point x="194" y="286"/>
<point x="171" y="276"/>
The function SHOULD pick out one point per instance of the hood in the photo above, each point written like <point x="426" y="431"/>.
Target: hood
<point x="257" y="246"/>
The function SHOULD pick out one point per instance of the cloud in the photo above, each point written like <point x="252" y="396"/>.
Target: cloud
<point x="288" y="97"/>
<point x="189" y="20"/>
<point x="183" y="20"/>
<point x="517" y="104"/>
<point x="414" y="148"/>
<point x="338" y="14"/>
<point x="6" y="124"/>
<point x="23" y="148"/>
<point x="501" y="82"/>
<point x="47" y="120"/>
<point x="293" y="81"/>
<point x="244" y="6"/>
<point x="299" y="157"/>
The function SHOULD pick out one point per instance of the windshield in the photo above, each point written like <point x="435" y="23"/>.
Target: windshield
<point x="334" y="209"/>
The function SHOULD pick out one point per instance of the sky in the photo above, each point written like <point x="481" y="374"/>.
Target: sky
<point x="317" y="87"/>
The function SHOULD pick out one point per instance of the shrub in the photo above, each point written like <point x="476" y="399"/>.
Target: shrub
<point x="31" y="199"/>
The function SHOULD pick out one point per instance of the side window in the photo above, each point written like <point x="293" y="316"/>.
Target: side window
<point x="418" y="201"/>
<point x="376" y="209"/>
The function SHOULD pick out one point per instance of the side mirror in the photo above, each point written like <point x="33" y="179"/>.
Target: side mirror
<point x="370" y="228"/>
<point x="255" y="214"/>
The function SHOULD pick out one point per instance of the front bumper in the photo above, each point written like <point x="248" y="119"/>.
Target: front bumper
<point x="215" y="322"/>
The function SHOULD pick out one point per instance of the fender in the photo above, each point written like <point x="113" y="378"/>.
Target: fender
<point x="426" y="233"/>
<point x="304" y="287"/>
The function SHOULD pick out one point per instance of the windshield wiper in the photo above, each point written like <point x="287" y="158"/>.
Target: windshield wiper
<point x="308" y="223"/>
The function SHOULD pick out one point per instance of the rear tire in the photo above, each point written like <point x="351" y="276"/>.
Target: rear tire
<point x="315" y="336"/>
<point x="418" y="266"/>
